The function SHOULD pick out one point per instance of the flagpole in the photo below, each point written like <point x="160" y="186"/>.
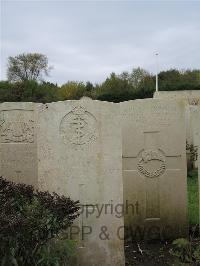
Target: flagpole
<point x="156" y="72"/>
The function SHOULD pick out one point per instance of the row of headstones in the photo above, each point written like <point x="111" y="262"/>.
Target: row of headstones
<point x="126" y="163"/>
<point x="192" y="102"/>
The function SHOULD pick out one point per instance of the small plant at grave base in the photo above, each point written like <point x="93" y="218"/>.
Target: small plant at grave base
<point x="196" y="254"/>
<point x="193" y="150"/>
<point x="182" y="250"/>
<point x="58" y="251"/>
<point x="186" y="251"/>
<point x="30" y="222"/>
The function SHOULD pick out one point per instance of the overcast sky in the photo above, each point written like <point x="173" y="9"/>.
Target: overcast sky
<point x="87" y="40"/>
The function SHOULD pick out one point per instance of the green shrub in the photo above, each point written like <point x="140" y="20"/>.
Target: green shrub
<point x="58" y="251"/>
<point x="182" y="250"/>
<point x="186" y="251"/>
<point x="29" y="220"/>
<point x="28" y="91"/>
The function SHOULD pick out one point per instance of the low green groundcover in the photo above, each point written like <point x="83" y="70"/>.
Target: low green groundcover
<point x="193" y="198"/>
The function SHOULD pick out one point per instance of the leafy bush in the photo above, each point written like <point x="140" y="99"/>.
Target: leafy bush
<point x="114" y="89"/>
<point x="186" y="251"/>
<point x="136" y="84"/>
<point x="58" y="251"/>
<point x="29" y="220"/>
<point x="28" y="91"/>
<point x="182" y="250"/>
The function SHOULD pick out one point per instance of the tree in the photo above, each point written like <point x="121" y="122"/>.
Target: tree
<point x="28" y="91"/>
<point x="30" y="66"/>
<point x="114" y="89"/>
<point x="146" y="88"/>
<point x="72" y="90"/>
<point x="175" y="79"/>
<point x="136" y="76"/>
<point x="137" y="84"/>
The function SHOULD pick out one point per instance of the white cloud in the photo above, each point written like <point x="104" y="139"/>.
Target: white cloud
<point x="87" y="41"/>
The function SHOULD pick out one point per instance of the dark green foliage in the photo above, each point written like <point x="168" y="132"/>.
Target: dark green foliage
<point x="28" y="91"/>
<point x="182" y="249"/>
<point x="58" y="252"/>
<point x="193" y="151"/>
<point x="173" y="79"/>
<point x="146" y="88"/>
<point x="140" y="84"/>
<point x="137" y="84"/>
<point x="28" y="220"/>
<point x="186" y="252"/>
<point x="193" y="197"/>
<point x="114" y="89"/>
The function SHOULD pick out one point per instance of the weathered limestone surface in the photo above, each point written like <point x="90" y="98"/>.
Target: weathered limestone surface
<point x="154" y="166"/>
<point x="18" y="147"/>
<point x="192" y="100"/>
<point x="195" y="124"/>
<point x="197" y="139"/>
<point x="192" y="96"/>
<point x="79" y="153"/>
<point x="196" y="131"/>
<point x="75" y="148"/>
<point x="195" y="128"/>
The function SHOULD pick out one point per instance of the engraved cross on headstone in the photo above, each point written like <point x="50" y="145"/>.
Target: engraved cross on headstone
<point x="152" y="163"/>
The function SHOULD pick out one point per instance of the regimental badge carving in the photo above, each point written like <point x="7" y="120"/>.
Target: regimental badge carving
<point x="78" y="127"/>
<point x="151" y="163"/>
<point x="193" y="101"/>
<point x="16" y="131"/>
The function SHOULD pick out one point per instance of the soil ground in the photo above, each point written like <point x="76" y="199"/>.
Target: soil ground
<point x="148" y="254"/>
<point x="158" y="253"/>
<point x="152" y="254"/>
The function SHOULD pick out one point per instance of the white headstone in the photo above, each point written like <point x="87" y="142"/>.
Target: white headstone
<point x="79" y="152"/>
<point x="191" y="96"/>
<point x="154" y="167"/>
<point x="18" y="148"/>
<point x="196" y="131"/>
<point x="194" y="127"/>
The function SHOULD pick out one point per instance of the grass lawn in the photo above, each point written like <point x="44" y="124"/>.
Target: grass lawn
<point x="193" y="197"/>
